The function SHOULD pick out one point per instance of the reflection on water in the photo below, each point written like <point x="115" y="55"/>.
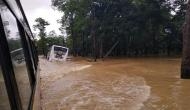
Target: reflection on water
<point x="123" y="84"/>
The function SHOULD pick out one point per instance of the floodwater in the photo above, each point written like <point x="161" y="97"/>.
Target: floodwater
<point x="114" y="84"/>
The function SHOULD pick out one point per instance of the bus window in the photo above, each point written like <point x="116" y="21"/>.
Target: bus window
<point x="17" y="56"/>
<point x="4" y="101"/>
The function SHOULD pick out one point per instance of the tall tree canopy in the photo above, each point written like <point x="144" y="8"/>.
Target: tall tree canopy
<point x="41" y="25"/>
<point x="142" y="27"/>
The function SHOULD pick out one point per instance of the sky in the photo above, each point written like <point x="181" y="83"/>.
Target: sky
<point x="42" y="8"/>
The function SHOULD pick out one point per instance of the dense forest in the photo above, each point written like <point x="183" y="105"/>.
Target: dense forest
<point x="122" y="27"/>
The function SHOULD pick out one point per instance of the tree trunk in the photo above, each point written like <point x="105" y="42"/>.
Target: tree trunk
<point x="101" y="48"/>
<point x="185" y="67"/>
<point x="73" y="37"/>
<point x="83" y="49"/>
<point x="94" y="45"/>
<point x="93" y="34"/>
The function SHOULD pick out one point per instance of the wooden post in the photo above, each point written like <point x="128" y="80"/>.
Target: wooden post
<point x="111" y="49"/>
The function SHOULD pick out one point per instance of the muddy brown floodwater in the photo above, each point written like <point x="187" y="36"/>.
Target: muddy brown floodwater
<point x="114" y="84"/>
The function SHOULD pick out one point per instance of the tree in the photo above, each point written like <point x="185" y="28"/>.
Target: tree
<point x="55" y="41"/>
<point x="41" y="25"/>
<point x="185" y="68"/>
<point x="52" y="34"/>
<point x="142" y="27"/>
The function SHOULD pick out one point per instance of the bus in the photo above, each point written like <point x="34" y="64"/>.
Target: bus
<point x="19" y="75"/>
<point x="58" y="53"/>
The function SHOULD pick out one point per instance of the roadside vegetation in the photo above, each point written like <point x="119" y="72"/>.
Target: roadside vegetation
<point x="126" y="27"/>
<point x="46" y="40"/>
<point x="101" y="28"/>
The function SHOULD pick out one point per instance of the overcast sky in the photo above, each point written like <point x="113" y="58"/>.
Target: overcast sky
<point x="41" y="8"/>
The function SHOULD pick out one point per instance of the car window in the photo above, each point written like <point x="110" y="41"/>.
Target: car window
<point x="17" y="56"/>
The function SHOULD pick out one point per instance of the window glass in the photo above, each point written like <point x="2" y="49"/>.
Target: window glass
<point x="4" y="101"/>
<point x="17" y="55"/>
<point x="18" y="13"/>
<point x="30" y="51"/>
<point x="14" y="6"/>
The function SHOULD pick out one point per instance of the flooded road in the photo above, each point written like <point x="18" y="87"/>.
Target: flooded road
<point x="114" y="84"/>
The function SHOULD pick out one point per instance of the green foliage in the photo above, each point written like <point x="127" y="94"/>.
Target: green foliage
<point x="42" y="43"/>
<point x="142" y="27"/>
<point x="69" y="42"/>
<point x="49" y="41"/>
<point x="41" y="26"/>
<point x="55" y="41"/>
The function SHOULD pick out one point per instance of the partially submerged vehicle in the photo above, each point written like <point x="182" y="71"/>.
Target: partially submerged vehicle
<point x="58" y="53"/>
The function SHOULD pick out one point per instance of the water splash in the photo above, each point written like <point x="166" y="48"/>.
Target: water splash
<point x="120" y="94"/>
